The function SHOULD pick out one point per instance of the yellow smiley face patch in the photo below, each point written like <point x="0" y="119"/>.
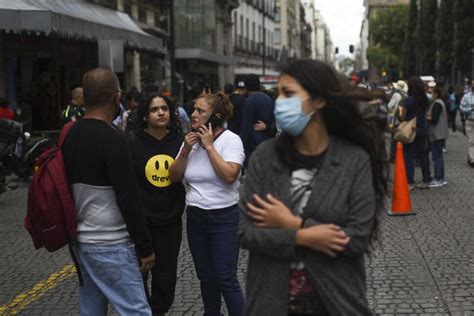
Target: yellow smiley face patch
<point x="157" y="170"/>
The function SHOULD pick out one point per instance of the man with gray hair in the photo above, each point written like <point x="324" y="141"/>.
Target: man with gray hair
<point x="113" y="246"/>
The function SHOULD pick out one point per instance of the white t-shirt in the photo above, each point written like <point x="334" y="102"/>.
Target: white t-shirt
<point x="204" y="188"/>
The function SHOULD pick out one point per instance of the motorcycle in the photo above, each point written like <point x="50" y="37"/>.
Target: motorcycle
<point x="18" y="152"/>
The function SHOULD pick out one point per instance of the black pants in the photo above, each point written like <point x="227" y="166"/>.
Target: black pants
<point x="452" y="120"/>
<point x="166" y="243"/>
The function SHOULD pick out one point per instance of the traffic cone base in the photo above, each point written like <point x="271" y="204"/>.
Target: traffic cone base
<point x="401" y="203"/>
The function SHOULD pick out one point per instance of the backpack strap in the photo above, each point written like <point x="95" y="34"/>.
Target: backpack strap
<point x="64" y="133"/>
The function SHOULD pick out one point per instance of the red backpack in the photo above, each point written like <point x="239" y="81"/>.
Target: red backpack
<point x="51" y="217"/>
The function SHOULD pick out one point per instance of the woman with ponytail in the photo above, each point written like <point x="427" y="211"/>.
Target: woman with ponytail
<point x="209" y="162"/>
<point x="310" y="199"/>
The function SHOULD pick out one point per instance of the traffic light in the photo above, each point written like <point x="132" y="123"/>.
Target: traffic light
<point x="351" y="49"/>
<point x="337" y="50"/>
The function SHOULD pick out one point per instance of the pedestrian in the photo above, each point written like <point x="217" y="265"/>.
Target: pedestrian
<point x="154" y="145"/>
<point x="437" y="122"/>
<point x="75" y="109"/>
<point x="310" y="199"/>
<point x="112" y="237"/>
<point x="5" y="112"/>
<point x="399" y="93"/>
<point x="258" y="116"/>
<point x="416" y="105"/>
<point x="452" y="107"/>
<point x="130" y="121"/>
<point x="467" y="108"/>
<point x="209" y="162"/>
<point x="235" y="122"/>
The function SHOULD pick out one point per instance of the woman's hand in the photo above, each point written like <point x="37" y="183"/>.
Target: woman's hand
<point x="272" y="213"/>
<point x="329" y="239"/>
<point x="259" y="126"/>
<point x="206" y="136"/>
<point x="190" y="140"/>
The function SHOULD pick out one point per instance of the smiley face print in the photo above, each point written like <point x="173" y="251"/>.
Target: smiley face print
<point x="157" y="170"/>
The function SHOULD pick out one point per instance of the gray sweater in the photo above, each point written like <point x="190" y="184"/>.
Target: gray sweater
<point x="342" y="194"/>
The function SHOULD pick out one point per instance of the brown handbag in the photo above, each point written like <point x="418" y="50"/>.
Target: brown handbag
<point x="406" y="131"/>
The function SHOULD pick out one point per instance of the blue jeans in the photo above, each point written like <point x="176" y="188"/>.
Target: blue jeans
<point x="212" y="239"/>
<point x="437" y="155"/>
<point x="419" y="148"/>
<point x="110" y="274"/>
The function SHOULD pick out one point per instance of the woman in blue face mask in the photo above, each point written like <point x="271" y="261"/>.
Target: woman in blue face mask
<point x="310" y="200"/>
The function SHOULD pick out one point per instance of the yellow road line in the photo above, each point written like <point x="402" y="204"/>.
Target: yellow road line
<point x="26" y="298"/>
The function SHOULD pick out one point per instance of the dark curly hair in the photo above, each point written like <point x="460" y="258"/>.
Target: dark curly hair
<point x="416" y="89"/>
<point x="342" y="118"/>
<point x="144" y="110"/>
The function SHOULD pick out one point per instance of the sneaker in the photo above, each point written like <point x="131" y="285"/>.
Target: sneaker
<point x="422" y="185"/>
<point x="444" y="150"/>
<point x="434" y="184"/>
<point x="411" y="187"/>
<point x="443" y="182"/>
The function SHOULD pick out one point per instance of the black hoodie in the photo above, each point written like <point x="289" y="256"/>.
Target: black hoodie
<point x="162" y="200"/>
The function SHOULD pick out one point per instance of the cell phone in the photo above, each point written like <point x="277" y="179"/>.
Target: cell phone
<point x="213" y="119"/>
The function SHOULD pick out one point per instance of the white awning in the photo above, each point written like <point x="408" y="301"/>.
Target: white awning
<point x="74" y="19"/>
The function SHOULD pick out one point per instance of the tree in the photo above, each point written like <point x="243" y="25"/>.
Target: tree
<point x="425" y="37"/>
<point x="388" y="34"/>
<point x="347" y="65"/>
<point x="463" y="35"/>
<point x="408" y="50"/>
<point x="444" y="38"/>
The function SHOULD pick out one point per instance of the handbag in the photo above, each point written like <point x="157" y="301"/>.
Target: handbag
<point x="406" y="131"/>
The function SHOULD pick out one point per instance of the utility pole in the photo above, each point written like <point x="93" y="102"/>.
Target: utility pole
<point x="264" y="40"/>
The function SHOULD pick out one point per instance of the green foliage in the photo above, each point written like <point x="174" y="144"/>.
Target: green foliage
<point x="408" y="50"/>
<point x="347" y="65"/>
<point x="426" y="37"/>
<point x="444" y="37"/>
<point x="388" y="34"/>
<point x="463" y="34"/>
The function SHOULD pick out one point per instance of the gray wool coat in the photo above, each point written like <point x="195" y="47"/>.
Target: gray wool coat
<point x="342" y="194"/>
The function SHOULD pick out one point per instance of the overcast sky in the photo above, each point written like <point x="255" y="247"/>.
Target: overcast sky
<point x="344" y="18"/>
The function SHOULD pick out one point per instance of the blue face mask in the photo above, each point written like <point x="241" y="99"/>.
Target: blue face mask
<point x="289" y="116"/>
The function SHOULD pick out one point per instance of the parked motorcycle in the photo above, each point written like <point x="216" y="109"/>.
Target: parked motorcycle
<point x="18" y="152"/>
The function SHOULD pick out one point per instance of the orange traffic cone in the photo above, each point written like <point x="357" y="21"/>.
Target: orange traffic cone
<point x="401" y="203"/>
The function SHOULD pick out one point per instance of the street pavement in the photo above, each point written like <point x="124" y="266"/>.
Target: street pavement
<point x="421" y="264"/>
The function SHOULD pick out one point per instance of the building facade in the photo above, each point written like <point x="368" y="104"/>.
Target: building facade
<point x="41" y="62"/>
<point x="204" y="45"/>
<point x="287" y="30"/>
<point x="253" y="36"/>
<point x="324" y="44"/>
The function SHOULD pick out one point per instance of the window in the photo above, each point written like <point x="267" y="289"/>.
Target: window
<point x="277" y="15"/>
<point x="242" y="25"/>
<point x="277" y="36"/>
<point x="142" y="15"/>
<point x="235" y="28"/>
<point x="127" y="8"/>
<point x="260" y="39"/>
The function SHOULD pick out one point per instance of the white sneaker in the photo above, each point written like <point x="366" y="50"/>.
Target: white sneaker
<point x="443" y="182"/>
<point x="434" y="184"/>
<point x="444" y="150"/>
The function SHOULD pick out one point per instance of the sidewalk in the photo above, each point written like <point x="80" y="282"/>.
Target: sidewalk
<point x="421" y="265"/>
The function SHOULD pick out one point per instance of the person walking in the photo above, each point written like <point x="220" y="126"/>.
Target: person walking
<point x="452" y="108"/>
<point x="416" y="105"/>
<point x="237" y="100"/>
<point x="113" y="246"/>
<point x="209" y="162"/>
<point x="467" y="108"/>
<point x="310" y="200"/>
<point x="154" y="145"/>
<point x="129" y="121"/>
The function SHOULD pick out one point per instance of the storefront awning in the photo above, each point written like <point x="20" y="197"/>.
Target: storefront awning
<point x="75" y="19"/>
